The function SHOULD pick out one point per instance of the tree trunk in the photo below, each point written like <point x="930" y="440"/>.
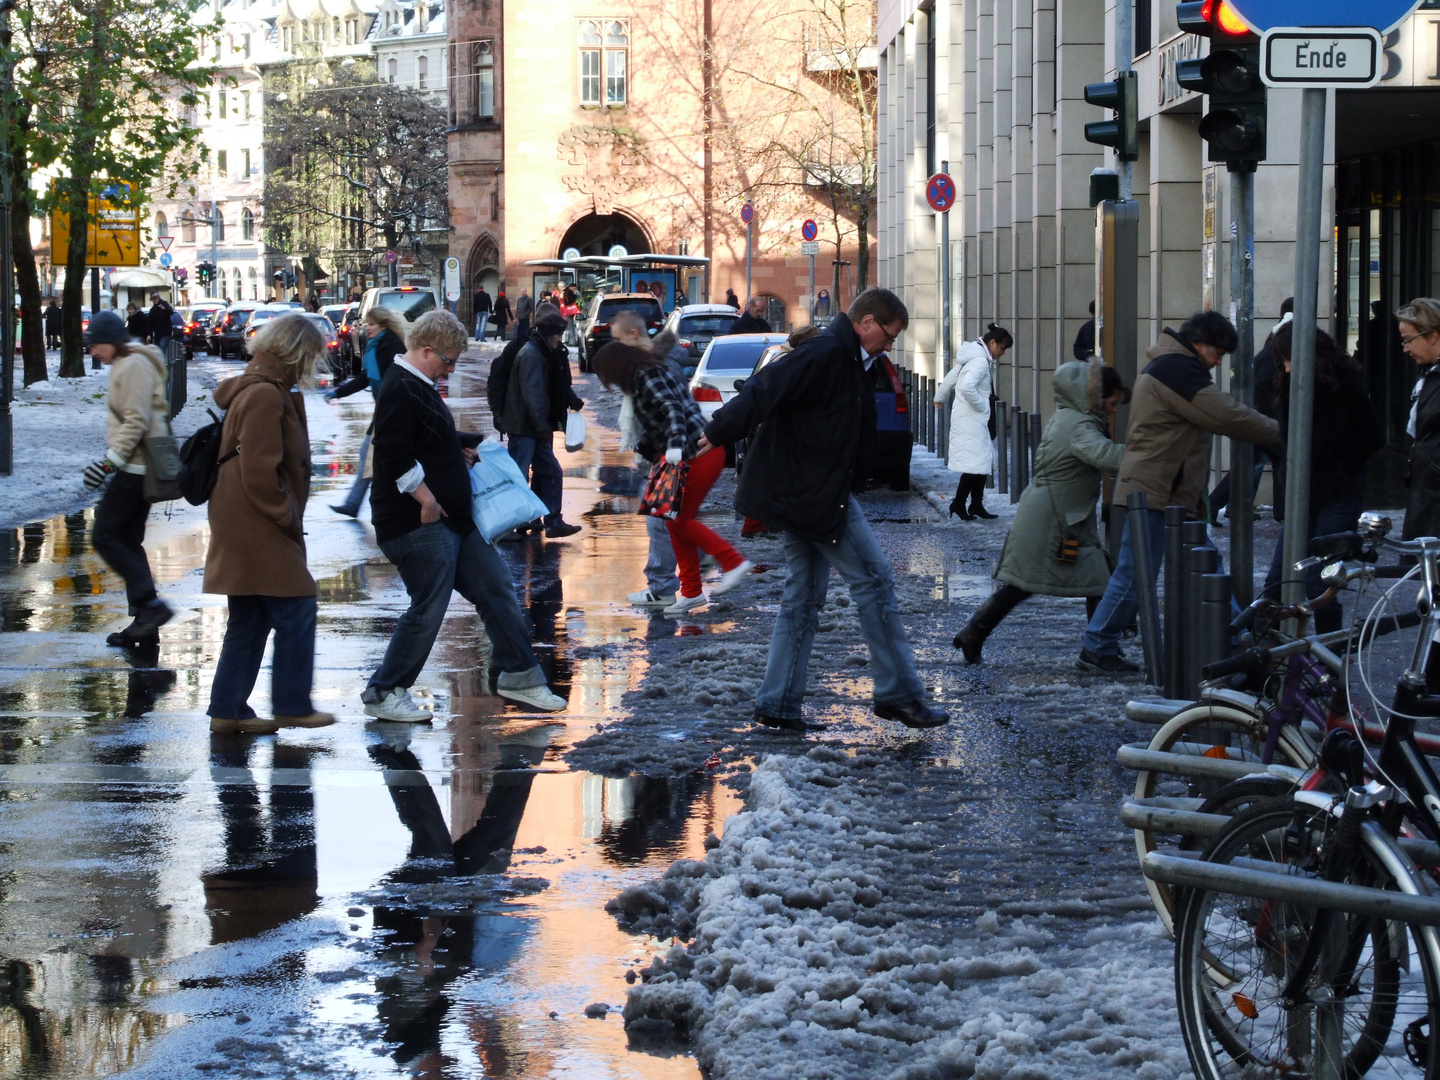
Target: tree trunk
<point x="32" y="332"/>
<point x="72" y="351"/>
<point x="862" y="256"/>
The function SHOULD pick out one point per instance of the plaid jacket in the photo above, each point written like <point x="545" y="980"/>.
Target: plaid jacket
<point x="666" y="414"/>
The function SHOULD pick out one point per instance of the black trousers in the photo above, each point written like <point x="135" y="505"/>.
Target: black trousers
<point x="119" y="535"/>
<point x="1004" y="600"/>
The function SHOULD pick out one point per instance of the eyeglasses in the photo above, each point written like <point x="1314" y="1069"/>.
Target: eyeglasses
<point x="889" y="337"/>
<point x="1405" y="341"/>
<point x="450" y="361"/>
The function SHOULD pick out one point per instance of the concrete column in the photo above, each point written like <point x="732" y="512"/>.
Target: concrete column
<point x="1081" y="31"/>
<point x="1176" y="222"/>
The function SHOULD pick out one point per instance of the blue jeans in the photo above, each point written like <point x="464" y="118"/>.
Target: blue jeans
<point x="660" y="577"/>
<point x="356" y="494"/>
<point x="435" y="561"/>
<point x="292" y="668"/>
<point x="482" y="320"/>
<point x="1333" y="517"/>
<point x="858" y="558"/>
<point x="1120" y="603"/>
<point x="548" y="482"/>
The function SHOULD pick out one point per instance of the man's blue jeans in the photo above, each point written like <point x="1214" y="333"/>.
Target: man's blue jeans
<point x="660" y="577"/>
<point x="434" y="561"/>
<point x="482" y="320"/>
<point x="548" y="482"/>
<point x="858" y="559"/>
<point x="1120" y="603"/>
<point x="356" y="495"/>
<point x="292" y="668"/>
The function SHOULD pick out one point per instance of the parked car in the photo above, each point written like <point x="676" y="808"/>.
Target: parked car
<point x="696" y="325"/>
<point x="333" y="347"/>
<point x="407" y="301"/>
<point x="197" y="326"/>
<point x="595" y="322"/>
<point x="259" y="317"/>
<point x="892" y="421"/>
<point x="227" y="332"/>
<point x="728" y="361"/>
<point x="339" y="315"/>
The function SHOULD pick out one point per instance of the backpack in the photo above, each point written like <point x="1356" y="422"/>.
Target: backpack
<point x="200" y="461"/>
<point x="497" y="384"/>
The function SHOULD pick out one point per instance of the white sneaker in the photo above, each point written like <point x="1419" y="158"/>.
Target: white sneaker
<point x="683" y="604"/>
<point x="539" y="697"/>
<point x="651" y="599"/>
<point x="731" y="579"/>
<point x="397" y="706"/>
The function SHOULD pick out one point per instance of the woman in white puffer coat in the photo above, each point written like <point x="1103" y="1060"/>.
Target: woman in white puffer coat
<point x="970" y="382"/>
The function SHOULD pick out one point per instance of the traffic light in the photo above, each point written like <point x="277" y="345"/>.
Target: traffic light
<point x="289" y="278"/>
<point x="1122" y="95"/>
<point x="1230" y="76"/>
<point x="205" y="272"/>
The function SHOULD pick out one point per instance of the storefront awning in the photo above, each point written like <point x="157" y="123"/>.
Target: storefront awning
<point x="139" y="279"/>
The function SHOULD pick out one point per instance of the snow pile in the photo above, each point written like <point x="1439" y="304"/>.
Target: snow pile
<point x="834" y="934"/>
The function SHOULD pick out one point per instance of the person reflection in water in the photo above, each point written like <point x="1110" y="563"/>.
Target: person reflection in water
<point x="432" y="949"/>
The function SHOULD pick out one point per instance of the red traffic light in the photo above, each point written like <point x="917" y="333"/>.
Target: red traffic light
<point x="1211" y="18"/>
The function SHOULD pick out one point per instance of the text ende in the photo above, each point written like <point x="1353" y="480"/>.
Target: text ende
<point x="1307" y="59"/>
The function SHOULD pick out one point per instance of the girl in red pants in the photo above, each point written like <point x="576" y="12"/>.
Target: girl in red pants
<point x="669" y="426"/>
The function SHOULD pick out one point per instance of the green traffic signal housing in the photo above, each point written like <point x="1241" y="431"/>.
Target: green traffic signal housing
<point x="1122" y="133"/>
<point x="1235" y="125"/>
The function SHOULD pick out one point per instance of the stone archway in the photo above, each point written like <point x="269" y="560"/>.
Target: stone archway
<point x="482" y="267"/>
<point x="596" y="234"/>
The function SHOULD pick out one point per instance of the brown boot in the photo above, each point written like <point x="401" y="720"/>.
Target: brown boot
<point x="252" y="725"/>
<point x="314" y="719"/>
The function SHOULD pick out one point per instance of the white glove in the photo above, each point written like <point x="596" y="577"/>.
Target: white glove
<point x="673" y="455"/>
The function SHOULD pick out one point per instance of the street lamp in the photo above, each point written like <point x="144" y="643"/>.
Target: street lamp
<point x="7" y="265"/>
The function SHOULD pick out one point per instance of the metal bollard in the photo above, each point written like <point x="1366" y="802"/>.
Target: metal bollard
<point x="1035" y="433"/>
<point x="1214" y="623"/>
<point x="1002" y="449"/>
<point x="924" y="412"/>
<point x="1174" y="602"/>
<point x="1137" y="507"/>
<point x="1199" y="561"/>
<point x="908" y="386"/>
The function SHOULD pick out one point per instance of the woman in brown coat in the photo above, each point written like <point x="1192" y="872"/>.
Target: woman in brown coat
<point x="257" y="543"/>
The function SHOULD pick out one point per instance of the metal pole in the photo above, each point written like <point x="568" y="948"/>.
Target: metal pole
<point x="1017" y="477"/>
<point x="945" y="284"/>
<point x="1242" y="379"/>
<point x="1302" y="369"/>
<point x="1199" y="561"/>
<point x="1034" y="442"/>
<point x="1002" y="447"/>
<point x="812" y="290"/>
<point x="1137" y="507"/>
<point x="1214" y="619"/>
<point x="749" y="238"/>
<point x="1174" y="600"/>
<point x="1125" y="61"/>
<point x="7" y="272"/>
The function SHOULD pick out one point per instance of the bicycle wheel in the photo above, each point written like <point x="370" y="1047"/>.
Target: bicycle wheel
<point x="1235" y="954"/>
<point x="1205" y="730"/>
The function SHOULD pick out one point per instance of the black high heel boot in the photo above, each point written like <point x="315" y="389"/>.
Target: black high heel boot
<point x="971" y="638"/>
<point x="957" y="504"/>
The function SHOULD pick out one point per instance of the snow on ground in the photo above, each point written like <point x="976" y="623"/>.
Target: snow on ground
<point x="59" y="429"/>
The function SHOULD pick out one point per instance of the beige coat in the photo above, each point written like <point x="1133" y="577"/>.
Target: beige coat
<point x="1175" y="409"/>
<point x="257" y="511"/>
<point x="136" y="406"/>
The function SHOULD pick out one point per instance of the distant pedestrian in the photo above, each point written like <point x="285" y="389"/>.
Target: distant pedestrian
<point x="482" y="312"/>
<point x="971" y="382"/>
<point x="822" y="304"/>
<point x="732" y="299"/>
<point x="54" y="322"/>
<point x="1176" y="408"/>
<point x="502" y="314"/>
<point x="256" y="557"/>
<point x="661" y="581"/>
<point x="753" y="321"/>
<point x="136" y="407"/>
<point x="384" y="341"/>
<point x="669" y="427"/>
<point x="137" y="324"/>
<point x="536" y="400"/>
<point x="1084" y="347"/>
<point x="421" y="512"/>
<point x="524" y="309"/>
<point x="814" y="448"/>
<point x="1263" y="383"/>
<point x="1420" y="338"/>
<point x="1054" y="547"/>
<point x="159" y="322"/>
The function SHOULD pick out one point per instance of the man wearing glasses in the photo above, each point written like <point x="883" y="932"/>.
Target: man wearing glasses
<point x="420" y="507"/>
<point x="815" y="411"/>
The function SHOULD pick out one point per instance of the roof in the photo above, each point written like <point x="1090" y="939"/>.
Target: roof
<point x="707" y="309"/>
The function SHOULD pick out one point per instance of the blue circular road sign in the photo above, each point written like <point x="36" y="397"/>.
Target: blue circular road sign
<point x="940" y="192"/>
<point x="166" y="260"/>
<point x="809" y="230"/>
<point x="1264" y="15"/>
<point x="747" y="213"/>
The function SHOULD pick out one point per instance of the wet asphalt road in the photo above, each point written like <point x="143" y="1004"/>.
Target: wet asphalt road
<point x="375" y="899"/>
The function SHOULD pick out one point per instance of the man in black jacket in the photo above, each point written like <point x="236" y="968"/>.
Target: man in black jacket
<point x="159" y="322"/>
<point x="753" y="321"/>
<point x="420" y="507"/>
<point x="536" y="400"/>
<point x="816" y="441"/>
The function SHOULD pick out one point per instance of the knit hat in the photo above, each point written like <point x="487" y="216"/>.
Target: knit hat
<point x="107" y="328"/>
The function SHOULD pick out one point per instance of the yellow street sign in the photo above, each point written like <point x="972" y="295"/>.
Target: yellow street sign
<point x="113" y="232"/>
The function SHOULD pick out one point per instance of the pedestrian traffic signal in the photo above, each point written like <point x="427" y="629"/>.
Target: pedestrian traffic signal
<point x="1230" y="76"/>
<point x="1122" y="133"/>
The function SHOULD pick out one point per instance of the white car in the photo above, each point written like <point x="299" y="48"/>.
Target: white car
<point x="407" y="301"/>
<point x="724" y="367"/>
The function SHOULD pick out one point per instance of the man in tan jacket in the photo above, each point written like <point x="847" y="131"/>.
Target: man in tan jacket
<point x="1175" y="409"/>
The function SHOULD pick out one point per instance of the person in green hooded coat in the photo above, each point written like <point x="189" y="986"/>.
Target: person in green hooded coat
<point x="1054" y="546"/>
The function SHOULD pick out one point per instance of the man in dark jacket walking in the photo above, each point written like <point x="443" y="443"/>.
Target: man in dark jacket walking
<point x="524" y="308"/>
<point x="482" y="312"/>
<point x="421" y="513"/>
<point x="159" y="322"/>
<point x="813" y="450"/>
<point x="502" y="314"/>
<point x="753" y="320"/>
<point x="53" y="322"/>
<point x="535" y="404"/>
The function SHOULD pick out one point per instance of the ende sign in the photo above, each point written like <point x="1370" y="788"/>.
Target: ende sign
<point x="1296" y="56"/>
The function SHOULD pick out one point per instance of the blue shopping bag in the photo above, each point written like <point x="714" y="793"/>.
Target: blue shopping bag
<point x="500" y="499"/>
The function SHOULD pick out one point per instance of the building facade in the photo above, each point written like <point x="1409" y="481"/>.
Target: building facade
<point x="996" y="90"/>
<point x="577" y="129"/>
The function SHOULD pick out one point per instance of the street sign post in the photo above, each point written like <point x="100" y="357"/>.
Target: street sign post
<point x="166" y="259"/>
<point x="165" y="242"/>
<point x="1296" y="56"/>
<point x="940" y="194"/>
<point x="809" y="230"/>
<point x="390" y="256"/>
<point x="452" y="280"/>
<point x="747" y="215"/>
<point x="811" y="247"/>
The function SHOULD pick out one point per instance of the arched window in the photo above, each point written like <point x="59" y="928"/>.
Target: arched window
<point x="237" y="293"/>
<point x="617" y="49"/>
<point x="485" y="81"/>
<point x="422" y="71"/>
<point x="162" y="225"/>
<point x="604" y="61"/>
<point x="392" y="68"/>
<point x="187" y="228"/>
<point x="254" y="282"/>
<point x="217" y="223"/>
<point x="589" y="41"/>
<point x="247" y="226"/>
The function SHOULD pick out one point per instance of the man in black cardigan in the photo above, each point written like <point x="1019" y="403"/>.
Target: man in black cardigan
<point x="420" y="507"/>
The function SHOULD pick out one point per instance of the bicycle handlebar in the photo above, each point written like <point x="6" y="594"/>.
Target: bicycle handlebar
<point x="1249" y="661"/>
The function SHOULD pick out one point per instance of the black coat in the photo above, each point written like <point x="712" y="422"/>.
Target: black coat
<point x="1422" y="510"/>
<point x="53" y="319"/>
<point x="748" y="324"/>
<point x="1346" y="433"/>
<point x="816" y="440"/>
<point x="159" y="321"/>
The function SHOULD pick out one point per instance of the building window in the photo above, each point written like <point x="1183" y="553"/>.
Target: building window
<point x="217" y="224"/>
<point x="617" y="47"/>
<point x="590" y="42"/>
<point x="220" y="103"/>
<point x="422" y="72"/>
<point x="245" y="103"/>
<point x="335" y="29"/>
<point x="349" y="31"/>
<point x="244" y="164"/>
<point x="254" y="281"/>
<point x="484" y="81"/>
<point x="287" y="39"/>
<point x="603" y="47"/>
<point x="162" y="226"/>
<point x="247" y="225"/>
<point x="238" y="293"/>
<point x="187" y="229"/>
<point x="245" y="45"/>
<point x="222" y="163"/>
<point x="392" y="68"/>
